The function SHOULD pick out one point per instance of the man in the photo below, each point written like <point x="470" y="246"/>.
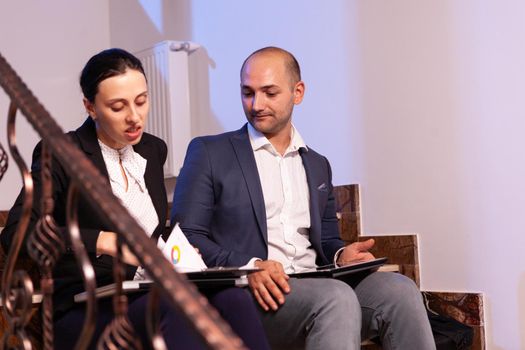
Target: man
<point x="260" y="197"/>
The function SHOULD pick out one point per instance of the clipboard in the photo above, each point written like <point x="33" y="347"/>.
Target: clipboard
<point x="220" y="273"/>
<point x="330" y="271"/>
<point x="215" y="277"/>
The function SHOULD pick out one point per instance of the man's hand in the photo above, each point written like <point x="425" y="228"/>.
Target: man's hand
<point x="356" y="252"/>
<point x="269" y="285"/>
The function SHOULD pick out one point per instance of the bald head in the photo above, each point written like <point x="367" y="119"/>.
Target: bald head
<point x="292" y="68"/>
<point x="270" y="88"/>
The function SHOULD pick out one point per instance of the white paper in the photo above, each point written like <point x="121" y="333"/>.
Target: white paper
<point x="181" y="253"/>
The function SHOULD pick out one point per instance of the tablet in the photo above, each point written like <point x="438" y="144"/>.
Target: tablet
<point x="330" y="271"/>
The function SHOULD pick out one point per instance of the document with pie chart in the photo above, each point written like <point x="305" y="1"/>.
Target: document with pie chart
<point x="181" y="253"/>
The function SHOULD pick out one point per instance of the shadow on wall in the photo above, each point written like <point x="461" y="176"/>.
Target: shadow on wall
<point x="171" y="20"/>
<point x="412" y="131"/>
<point x="136" y="25"/>
<point x="203" y="120"/>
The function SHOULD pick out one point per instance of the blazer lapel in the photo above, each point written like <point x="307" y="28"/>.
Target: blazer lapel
<point x="315" y="217"/>
<point x="243" y="150"/>
<point x="87" y="135"/>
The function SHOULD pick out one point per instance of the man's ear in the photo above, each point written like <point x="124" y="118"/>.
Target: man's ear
<point x="90" y="108"/>
<point x="298" y="92"/>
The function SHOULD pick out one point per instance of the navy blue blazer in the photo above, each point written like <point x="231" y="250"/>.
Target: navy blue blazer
<point x="219" y="203"/>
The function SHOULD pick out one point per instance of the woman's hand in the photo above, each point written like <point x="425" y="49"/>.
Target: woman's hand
<point x="197" y="250"/>
<point x="107" y="244"/>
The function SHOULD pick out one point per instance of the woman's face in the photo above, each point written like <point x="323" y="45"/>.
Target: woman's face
<point x="120" y="109"/>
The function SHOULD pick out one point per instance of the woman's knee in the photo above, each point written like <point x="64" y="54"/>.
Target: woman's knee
<point x="231" y="298"/>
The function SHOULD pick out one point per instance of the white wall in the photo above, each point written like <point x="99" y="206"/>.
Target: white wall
<point x="421" y="103"/>
<point x="443" y="119"/>
<point x="48" y="43"/>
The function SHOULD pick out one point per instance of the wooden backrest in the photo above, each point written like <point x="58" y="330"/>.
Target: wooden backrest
<point x="348" y="208"/>
<point x="400" y="249"/>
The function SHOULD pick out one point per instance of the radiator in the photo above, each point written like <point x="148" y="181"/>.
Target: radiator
<point x="167" y="72"/>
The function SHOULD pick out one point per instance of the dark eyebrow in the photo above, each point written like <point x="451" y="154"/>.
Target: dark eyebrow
<point x="266" y="87"/>
<point x="115" y="100"/>
<point x="145" y="93"/>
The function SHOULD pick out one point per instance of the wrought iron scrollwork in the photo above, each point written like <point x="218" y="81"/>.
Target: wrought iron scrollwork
<point x="119" y="334"/>
<point x="45" y="246"/>
<point x="88" y="273"/>
<point x="17" y="288"/>
<point x="4" y="162"/>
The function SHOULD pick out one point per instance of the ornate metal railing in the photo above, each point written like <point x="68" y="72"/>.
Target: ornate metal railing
<point x="45" y="247"/>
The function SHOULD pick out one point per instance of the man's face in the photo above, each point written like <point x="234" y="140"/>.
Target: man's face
<point x="268" y="94"/>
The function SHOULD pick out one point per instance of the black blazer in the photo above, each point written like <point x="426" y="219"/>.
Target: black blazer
<point x="68" y="281"/>
<point x="219" y="202"/>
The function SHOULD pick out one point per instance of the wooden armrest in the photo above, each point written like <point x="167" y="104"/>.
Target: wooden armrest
<point x="389" y="268"/>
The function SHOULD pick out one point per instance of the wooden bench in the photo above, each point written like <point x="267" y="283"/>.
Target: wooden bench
<point x="402" y="250"/>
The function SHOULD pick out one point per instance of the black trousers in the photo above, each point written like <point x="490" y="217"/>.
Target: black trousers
<point x="235" y="305"/>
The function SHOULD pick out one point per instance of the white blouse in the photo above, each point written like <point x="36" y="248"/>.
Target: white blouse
<point x="136" y="199"/>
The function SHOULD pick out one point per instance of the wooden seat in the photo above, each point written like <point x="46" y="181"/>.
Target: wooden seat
<point x="402" y="250"/>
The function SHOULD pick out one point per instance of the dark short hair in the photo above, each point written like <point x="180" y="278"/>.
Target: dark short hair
<point x="292" y="66"/>
<point x="103" y="65"/>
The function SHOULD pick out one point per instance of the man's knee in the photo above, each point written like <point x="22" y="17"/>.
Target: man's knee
<point x="331" y="302"/>
<point x="336" y="298"/>
<point x="402" y="288"/>
<point x="391" y="288"/>
<point x="341" y="294"/>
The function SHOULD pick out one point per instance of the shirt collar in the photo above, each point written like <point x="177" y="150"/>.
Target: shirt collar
<point x="133" y="162"/>
<point x="258" y="140"/>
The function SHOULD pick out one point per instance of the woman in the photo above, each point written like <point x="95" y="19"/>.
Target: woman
<point x="113" y="138"/>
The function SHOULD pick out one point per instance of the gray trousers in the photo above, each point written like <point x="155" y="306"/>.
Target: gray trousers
<point x="328" y="314"/>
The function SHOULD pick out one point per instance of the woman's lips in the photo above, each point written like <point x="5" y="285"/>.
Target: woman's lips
<point x="133" y="133"/>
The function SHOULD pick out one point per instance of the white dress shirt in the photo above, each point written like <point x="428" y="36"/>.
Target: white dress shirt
<point x="286" y="200"/>
<point x="136" y="198"/>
